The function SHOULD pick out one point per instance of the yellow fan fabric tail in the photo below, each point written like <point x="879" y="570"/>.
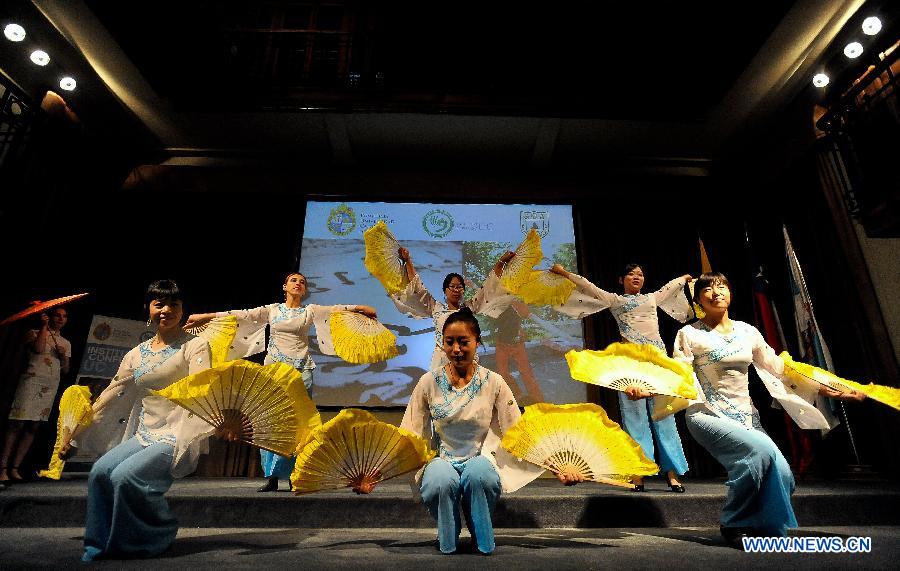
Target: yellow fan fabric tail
<point x="545" y="288"/>
<point x="803" y="372"/>
<point x="518" y="270"/>
<point x="382" y="258"/>
<point x="623" y="365"/>
<point x="265" y="406"/>
<point x="356" y="450"/>
<point x="219" y="332"/>
<point x="577" y="440"/>
<point x="74" y="411"/>
<point x="360" y="339"/>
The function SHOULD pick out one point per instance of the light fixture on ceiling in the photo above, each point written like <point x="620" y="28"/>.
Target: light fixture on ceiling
<point x="853" y="50"/>
<point x="40" y="57"/>
<point x="67" y="83"/>
<point x="871" y="26"/>
<point x="14" y="32"/>
<point x="820" y="80"/>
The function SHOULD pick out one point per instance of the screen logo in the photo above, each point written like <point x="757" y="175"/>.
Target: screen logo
<point x="537" y="219"/>
<point x="342" y="220"/>
<point x="102" y="331"/>
<point x="437" y="223"/>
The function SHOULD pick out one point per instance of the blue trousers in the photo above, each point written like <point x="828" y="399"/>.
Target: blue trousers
<point x="637" y="423"/>
<point x="759" y="483"/>
<point x="275" y="464"/>
<point x="127" y="514"/>
<point x="477" y="484"/>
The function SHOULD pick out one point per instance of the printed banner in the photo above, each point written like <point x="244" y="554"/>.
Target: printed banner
<point x="108" y="341"/>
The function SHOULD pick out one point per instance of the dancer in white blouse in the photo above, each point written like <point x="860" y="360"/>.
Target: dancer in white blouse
<point x="725" y="422"/>
<point x="635" y="314"/>
<point x="492" y="299"/>
<point x="289" y="324"/>
<point x="464" y="409"/>
<point x="153" y="440"/>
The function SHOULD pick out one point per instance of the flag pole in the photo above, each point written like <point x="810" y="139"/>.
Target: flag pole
<point x="849" y="433"/>
<point x="826" y="355"/>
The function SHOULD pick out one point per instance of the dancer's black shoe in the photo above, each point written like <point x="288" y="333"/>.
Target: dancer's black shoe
<point x="271" y="485"/>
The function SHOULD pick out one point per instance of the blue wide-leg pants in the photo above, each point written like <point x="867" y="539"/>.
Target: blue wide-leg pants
<point x="127" y="513"/>
<point x="637" y="422"/>
<point x="477" y="484"/>
<point x="275" y="464"/>
<point x="759" y="483"/>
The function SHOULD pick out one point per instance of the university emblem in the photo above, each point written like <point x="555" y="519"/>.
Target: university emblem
<point x="341" y="221"/>
<point x="437" y="223"/>
<point x="537" y="219"/>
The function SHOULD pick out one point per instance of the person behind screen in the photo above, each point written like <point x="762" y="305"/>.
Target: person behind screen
<point x="48" y="358"/>
<point x="509" y="343"/>
<point x="724" y="421"/>
<point x="418" y="302"/>
<point x="152" y="439"/>
<point x="464" y="409"/>
<point x="636" y="317"/>
<point x="289" y="323"/>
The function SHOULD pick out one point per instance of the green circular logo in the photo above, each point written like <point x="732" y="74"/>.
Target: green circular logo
<point x="341" y="221"/>
<point x="437" y="223"/>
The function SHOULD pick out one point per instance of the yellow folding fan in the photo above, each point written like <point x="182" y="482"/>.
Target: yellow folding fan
<point x="543" y="287"/>
<point x="74" y="411"/>
<point x="219" y="332"/>
<point x="578" y="441"/>
<point x="382" y="258"/>
<point x="356" y="450"/>
<point x="803" y="372"/>
<point x="518" y="270"/>
<point x="624" y="365"/>
<point x="361" y="339"/>
<point x="265" y="406"/>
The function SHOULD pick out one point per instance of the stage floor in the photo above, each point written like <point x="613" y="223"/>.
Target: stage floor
<point x="398" y="549"/>
<point x="544" y="504"/>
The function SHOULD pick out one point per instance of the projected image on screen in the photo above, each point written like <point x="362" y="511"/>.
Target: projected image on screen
<point x="525" y="344"/>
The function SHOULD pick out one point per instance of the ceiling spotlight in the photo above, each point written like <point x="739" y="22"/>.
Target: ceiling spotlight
<point x="14" y="32"/>
<point x="67" y="83"/>
<point x="40" y="57"/>
<point x="820" y="80"/>
<point x="853" y="50"/>
<point x="871" y="26"/>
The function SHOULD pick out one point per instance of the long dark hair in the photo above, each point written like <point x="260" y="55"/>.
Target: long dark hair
<point x="450" y="277"/>
<point x="628" y="268"/>
<point x="464" y="315"/>
<point x="710" y="279"/>
<point x="288" y="276"/>
<point x="162" y="289"/>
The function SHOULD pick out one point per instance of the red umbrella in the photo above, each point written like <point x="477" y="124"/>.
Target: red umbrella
<point x="39" y="306"/>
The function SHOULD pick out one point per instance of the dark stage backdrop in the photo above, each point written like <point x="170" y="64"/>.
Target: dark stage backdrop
<point x="231" y="249"/>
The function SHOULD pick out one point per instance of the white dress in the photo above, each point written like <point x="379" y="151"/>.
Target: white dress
<point x="39" y="383"/>
<point x="721" y="364"/>
<point x="288" y="332"/>
<point x="416" y="301"/>
<point x="126" y="408"/>
<point x="464" y="423"/>
<point x="635" y="314"/>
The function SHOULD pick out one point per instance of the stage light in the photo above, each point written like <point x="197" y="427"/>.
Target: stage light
<point x="871" y="26"/>
<point x="820" y="80"/>
<point x="853" y="50"/>
<point x="67" y="83"/>
<point x="14" y="32"/>
<point x="40" y="57"/>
